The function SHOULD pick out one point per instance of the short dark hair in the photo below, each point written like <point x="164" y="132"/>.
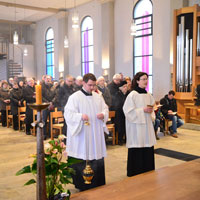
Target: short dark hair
<point x="171" y="92"/>
<point x="88" y="77"/>
<point x="137" y="78"/>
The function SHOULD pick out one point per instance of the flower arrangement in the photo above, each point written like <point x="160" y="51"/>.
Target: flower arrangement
<point x="58" y="171"/>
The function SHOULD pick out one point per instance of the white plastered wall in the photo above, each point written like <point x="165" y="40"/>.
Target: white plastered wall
<point x="40" y="52"/>
<point x="93" y="10"/>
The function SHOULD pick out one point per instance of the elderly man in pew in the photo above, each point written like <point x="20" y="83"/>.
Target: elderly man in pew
<point x="114" y="88"/>
<point x="169" y="110"/>
<point x="78" y="83"/>
<point x="48" y="96"/>
<point x="104" y="90"/>
<point x="65" y="91"/>
<point x="29" y="97"/>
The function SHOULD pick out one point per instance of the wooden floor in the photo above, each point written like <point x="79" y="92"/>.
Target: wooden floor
<point x="177" y="182"/>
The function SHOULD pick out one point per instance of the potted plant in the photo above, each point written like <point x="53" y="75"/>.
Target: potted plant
<point x="58" y="171"/>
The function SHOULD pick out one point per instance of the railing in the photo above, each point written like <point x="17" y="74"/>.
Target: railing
<point x="4" y="47"/>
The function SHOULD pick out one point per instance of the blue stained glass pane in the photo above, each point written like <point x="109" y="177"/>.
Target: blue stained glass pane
<point x="50" y="52"/>
<point x="49" y="59"/>
<point x="48" y="70"/>
<point x="52" y="56"/>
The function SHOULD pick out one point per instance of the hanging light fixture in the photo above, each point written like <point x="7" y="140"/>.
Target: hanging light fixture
<point x="75" y="17"/>
<point x="133" y="28"/>
<point x="25" y="51"/>
<point x="66" y="41"/>
<point x="15" y="38"/>
<point x="15" y="35"/>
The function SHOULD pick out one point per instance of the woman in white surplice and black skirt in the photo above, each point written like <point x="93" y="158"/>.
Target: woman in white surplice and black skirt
<point x="140" y="135"/>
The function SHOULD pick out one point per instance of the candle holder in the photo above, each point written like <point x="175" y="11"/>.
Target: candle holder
<point x="88" y="173"/>
<point x="41" y="181"/>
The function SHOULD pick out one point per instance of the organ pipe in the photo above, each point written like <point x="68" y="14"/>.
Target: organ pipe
<point x="184" y="58"/>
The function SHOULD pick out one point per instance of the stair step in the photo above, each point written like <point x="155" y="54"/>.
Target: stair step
<point x="14" y="65"/>
<point x="16" y="73"/>
<point x="15" y="68"/>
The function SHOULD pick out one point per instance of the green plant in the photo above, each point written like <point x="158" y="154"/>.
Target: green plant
<point x="58" y="171"/>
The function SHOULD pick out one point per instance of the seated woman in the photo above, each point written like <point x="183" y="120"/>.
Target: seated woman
<point x="16" y="100"/>
<point x="120" y="98"/>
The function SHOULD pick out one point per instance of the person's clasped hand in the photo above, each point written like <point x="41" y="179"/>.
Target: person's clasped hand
<point x="100" y="116"/>
<point x="85" y="117"/>
<point x="148" y="109"/>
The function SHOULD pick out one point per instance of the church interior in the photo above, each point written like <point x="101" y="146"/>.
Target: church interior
<point x="52" y="37"/>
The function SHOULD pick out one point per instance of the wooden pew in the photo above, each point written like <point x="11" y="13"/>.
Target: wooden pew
<point x="56" y="122"/>
<point x="111" y="128"/>
<point x="21" y="117"/>
<point x="188" y="107"/>
<point x="9" y="117"/>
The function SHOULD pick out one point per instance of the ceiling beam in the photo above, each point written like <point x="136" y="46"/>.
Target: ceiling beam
<point x="52" y="10"/>
<point x="16" y="22"/>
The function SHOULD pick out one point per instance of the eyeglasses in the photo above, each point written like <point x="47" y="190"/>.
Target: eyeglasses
<point x="144" y="79"/>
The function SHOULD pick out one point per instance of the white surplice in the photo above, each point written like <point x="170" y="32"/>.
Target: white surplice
<point x="86" y="142"/>
<point x="139" y="125"/>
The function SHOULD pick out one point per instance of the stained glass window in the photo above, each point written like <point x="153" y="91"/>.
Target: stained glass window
<point x="143" y="18"/>
<point x="87" y="46"/>
<point x="50" y="52"/>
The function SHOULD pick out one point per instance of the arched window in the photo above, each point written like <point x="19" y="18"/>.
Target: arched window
<point x="142" y="58"/>
<point x="87" y="46"/>
<point x="49" y="43"/>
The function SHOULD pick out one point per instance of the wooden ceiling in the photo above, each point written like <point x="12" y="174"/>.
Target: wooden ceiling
<point x="29" y="11"/>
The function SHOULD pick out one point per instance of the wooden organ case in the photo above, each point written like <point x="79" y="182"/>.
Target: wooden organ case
<point x="186" y="58"/>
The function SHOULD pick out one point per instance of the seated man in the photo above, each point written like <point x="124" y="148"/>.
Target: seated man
<point x="169" y="110"/>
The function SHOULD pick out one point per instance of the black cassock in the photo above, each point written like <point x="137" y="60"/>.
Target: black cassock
<point x="99" y="174"/>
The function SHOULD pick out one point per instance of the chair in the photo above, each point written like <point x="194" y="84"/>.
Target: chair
<point x="57" y="122"/>
<point x="111" y="128"/>
<point x="21" y="117"/>
<point x="168" y="123"/>
<point x="9" y="117"/>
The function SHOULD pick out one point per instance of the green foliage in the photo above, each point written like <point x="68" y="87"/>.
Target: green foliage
<point x="57" y="169"/>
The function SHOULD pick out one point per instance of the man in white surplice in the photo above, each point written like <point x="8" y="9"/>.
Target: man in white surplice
<point x="86" y="114"/>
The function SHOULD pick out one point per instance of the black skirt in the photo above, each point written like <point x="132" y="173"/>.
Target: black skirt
<point x="99" y="174"/>
<point x="140" y="160"/>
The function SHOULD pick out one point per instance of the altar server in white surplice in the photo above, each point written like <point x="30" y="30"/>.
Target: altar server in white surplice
<point x="86" y="114"/>
<point x="140" y="135"/>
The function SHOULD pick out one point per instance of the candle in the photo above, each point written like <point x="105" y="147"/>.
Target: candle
<point x="38" y="90"/>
